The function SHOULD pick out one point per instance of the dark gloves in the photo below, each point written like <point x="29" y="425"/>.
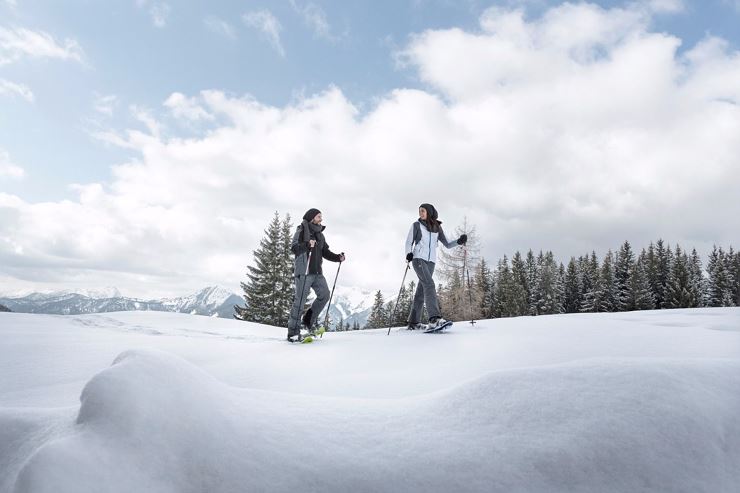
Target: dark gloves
<point x="462" y="240"/>
<point x="409" y="257"/>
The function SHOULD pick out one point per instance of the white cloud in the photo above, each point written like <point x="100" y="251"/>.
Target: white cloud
<point x="158" y="11"/>
<point x="543" y="135"/>
<point x="8" y="87"/>
<point x="20" y="42"/>
<point x="188" y="108"/>
<point x="8" y="168"/>
<point x="315" y="18"/>
<point x="220" y="26"/>
<point x="105" y="104"/>
<point x="268" y="25"/>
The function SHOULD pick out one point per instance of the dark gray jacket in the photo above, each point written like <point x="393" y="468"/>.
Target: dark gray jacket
<point x="320" y="251"/>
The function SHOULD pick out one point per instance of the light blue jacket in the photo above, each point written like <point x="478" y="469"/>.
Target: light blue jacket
<point x="423" y="243"/>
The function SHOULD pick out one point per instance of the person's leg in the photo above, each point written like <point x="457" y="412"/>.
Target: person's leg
<point x="424" y="271"/>
<point x="417" y="306"/>
<point x="302" y="288"/>
<point x="322" y="298"/>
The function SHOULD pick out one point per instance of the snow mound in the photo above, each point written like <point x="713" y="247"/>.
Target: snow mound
<point x="154" y="422"/>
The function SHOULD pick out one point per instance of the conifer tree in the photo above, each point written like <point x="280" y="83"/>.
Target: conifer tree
<point x="268" y="292"/>
<point x="696" y="280"/>
<point x="623" y="269"/>
<point x="679" y="293"/>
<point x="378" y="316"/>
<point x="609" y="285"/>
<point x="572" y="287"/>
<point x="642" y="294"/>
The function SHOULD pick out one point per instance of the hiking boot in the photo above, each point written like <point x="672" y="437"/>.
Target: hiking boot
<point x="416" y="326"/>
<point x="436" y="322"/>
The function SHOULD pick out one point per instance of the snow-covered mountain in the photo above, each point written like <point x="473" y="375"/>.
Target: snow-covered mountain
<point x="211" y="301"/>
<point x="348" y="304"/>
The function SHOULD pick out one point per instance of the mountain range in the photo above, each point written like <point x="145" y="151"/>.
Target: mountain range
<point x="349" y="304"/>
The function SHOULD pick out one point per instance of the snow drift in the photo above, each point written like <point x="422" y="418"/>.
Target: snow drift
<point x="155" y="422"/>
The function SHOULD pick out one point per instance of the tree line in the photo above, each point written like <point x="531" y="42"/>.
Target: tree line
<point x="658" y="277"/>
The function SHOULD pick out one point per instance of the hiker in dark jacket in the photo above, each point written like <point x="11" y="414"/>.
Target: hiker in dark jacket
<point x="421" y="251"/>
<point x="310" y="249"/>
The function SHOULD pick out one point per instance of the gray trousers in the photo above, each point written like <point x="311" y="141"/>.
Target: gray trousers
<point x="318" y="283"/>
<point x="426" y="293"/>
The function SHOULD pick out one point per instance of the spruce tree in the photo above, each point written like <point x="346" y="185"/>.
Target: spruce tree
<point x="609" y="284"/>
<point x="519" y="291"/>
<point x="484" y="286"/>
<point x="642" y="294"/>
<point x="696" y="280"/>
<point x="664" y="257"/>
<point x="679" y="293"/>
<point x="268" y="292"/>
<point x="378" y="317"/>
<point x="623" y="269"/>
<point x="572" y="287"/>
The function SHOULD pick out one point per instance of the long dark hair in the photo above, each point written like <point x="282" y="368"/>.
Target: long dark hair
<point x="431" y="222"/>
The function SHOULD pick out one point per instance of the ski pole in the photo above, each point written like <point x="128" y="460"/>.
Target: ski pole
<point x="393" y="315"/>
<point x="470" y="293"/>
<point x="326" y="320"/>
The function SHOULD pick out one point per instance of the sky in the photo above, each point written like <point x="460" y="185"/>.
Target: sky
<point x="146" y="144"/>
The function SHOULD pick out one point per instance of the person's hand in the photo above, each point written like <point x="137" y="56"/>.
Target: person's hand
<point x="409" y="257"/>
<point x="311" y="243"/>
<point x="342" y="257"/>
<point x="463" y="239"/>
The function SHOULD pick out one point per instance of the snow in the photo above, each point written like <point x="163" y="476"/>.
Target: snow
<point x="641" y="401"/>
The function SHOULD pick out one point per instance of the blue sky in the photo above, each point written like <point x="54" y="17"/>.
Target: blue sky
<point x="108" y="68"/>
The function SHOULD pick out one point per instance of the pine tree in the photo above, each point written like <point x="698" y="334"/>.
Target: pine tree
<point x="549" y="290"/>
<point x="572" y="287"/>
<point x="609" y="285"/>
<point x="519" y="292"/>
<point x="679" y="293"/>
<point x="664" y="259"/>
<point x="484" y="286"/>
<point x="529" y="279"/>
<point x="623" y="269"/>
<point x="642" y="294"/>
<point x="593" y="287"/>
<point x="268" y="292"/>
<point x="508" y="292"/>
<point x="720" y="284"/>
<point x="378" y="316"/>
<point x="696" y="280"/>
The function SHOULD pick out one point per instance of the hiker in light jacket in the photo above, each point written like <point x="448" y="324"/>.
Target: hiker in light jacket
<point x="309" y="242"/>
<point x="421" y="251"/>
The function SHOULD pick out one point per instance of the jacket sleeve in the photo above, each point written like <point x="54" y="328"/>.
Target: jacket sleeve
<point x="297" y="246"/>
<point x="410" y="240"/>
<point x="441" y="237"/>
<point x="328" y="254"/>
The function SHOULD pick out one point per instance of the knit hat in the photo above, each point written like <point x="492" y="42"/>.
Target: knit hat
<point x="310" y="214"/>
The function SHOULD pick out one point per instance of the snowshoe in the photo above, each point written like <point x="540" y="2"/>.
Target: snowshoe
<point x="437" y="325"/>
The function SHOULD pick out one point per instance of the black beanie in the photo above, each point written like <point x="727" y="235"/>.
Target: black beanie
<point x="430" y="210"/>
<point x="310" y="214"/>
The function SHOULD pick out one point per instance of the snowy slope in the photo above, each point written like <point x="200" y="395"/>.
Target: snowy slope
<point x="643" y="401"/>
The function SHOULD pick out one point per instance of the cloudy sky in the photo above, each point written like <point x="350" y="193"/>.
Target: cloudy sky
<point x="146" y="144"/>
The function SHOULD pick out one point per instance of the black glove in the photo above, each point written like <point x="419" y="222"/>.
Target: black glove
<point x="463" y="240"/>
<point x="409" y="257"/>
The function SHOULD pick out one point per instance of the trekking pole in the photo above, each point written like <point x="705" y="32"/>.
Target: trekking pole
<point x="393" y="315"/>
<point x="326" y="320"/>
<point x="470" y="293"/>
